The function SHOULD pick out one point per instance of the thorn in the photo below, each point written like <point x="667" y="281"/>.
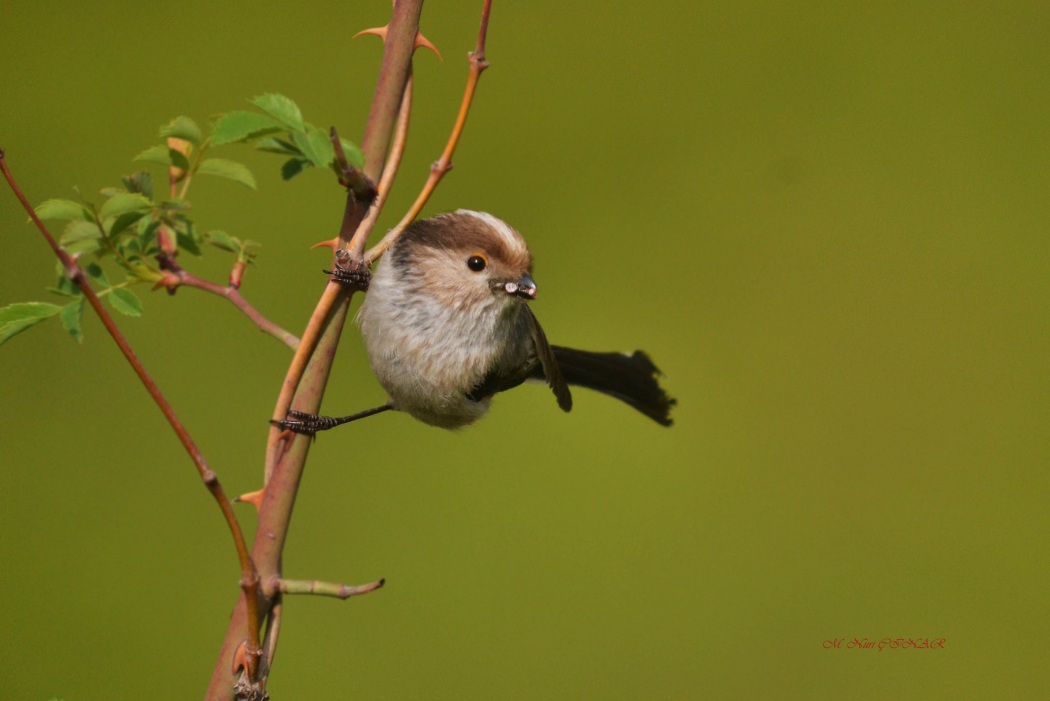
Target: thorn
<point x="254" y="498"/>
<point x="240" y="657"/>
<point x="421" y="41"/>
<point x="374" y="31"/>
<point x="288" y="437"/>
<point x="330" y="243"/>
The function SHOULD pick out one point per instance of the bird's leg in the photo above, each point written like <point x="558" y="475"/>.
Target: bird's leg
<point x="309" y="424"/>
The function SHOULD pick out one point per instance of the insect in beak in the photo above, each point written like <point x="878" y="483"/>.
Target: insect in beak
<point x="523" y="287"/>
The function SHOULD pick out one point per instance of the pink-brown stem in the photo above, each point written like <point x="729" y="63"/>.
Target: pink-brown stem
<point x="229" y="292"/>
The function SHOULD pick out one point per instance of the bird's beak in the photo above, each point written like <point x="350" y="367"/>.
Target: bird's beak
<point x="524" y="286"/>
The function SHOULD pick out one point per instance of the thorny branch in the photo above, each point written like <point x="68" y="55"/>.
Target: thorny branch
<point x="286" y="458"/>
<point x="333" y="291"/>
<point x="478" y="64"/>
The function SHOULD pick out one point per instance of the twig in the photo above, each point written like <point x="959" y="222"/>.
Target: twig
<point x="313" y="586"/>
<point x="393" y="162"/>
<point x="179" y="276"/>
<point x="390" y="86"/>
<point x="273" y="634"/>
<point x="285" y="467"/>
<point x="249" y="576"/>
<point x="333" y="291"/>
<point x="478" y="64"/>
<point x="351" y="178"/>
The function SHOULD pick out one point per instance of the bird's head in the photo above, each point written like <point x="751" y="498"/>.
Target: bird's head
<point x="465" y="259"/>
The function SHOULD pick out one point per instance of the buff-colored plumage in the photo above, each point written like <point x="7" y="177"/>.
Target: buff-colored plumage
<point x="447" y="326"/>
<point x="434" y="328"/>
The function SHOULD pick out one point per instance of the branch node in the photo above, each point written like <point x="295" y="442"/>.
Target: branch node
<point x="478" y="60"/>
<point x="350" y="177"/>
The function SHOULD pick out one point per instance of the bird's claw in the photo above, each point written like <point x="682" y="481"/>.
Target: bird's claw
<point x="304" y="423"/>
<point x="350" y="275"/>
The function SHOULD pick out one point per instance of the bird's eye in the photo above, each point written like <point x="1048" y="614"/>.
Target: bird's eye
<point x="476" y="263"/>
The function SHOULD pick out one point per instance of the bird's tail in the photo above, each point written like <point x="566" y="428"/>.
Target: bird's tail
<point x="629" y="378"/>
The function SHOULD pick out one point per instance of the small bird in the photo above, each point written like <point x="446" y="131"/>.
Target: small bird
<point x="447" y="325"/>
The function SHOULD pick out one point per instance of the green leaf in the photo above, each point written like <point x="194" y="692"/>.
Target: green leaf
<point x="353" y="153"/>
<point x="124" y="221"/>
<point x="178" y="159"/>
<point x="130" y="249"/>
<point x="71" y="316"/>
<point x="148" y="235"/>
<point x="245" y="255"/>
<point x="79" y="230"/>
<point x="315" y="145"/>
<point x="293" y="167"/>
<point x="164" y="156"/>
<point x="220" y="239"/>
<point x="183" y="128"/>
<point x="62" y="209"/>
<point x="141" y="181"/>
<point x="280" y="108"/>
<point x="231" y="170"/>
<point x="274" y="145"/>
<point x="187" y="239"/>
<point x="158" y="154"/>
<point x="125" y="301"/>
<point x="124" y="202"/>
<point x="242" y="126"/>
<point x="97" y="275"/>
<point x="15" y="318"/>
<point x="83" y="247"/>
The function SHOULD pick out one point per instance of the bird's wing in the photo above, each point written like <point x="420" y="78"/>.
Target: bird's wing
<point x="498" y="380"/>
<point x="551" y="371"/>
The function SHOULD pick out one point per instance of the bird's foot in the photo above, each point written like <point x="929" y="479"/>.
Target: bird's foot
<point x="304" y="423"/>
<point x="350" y="274"/>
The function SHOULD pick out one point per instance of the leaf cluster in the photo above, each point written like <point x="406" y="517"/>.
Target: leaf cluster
<point x="135" y="228"/>
<point x="306" y="145"/>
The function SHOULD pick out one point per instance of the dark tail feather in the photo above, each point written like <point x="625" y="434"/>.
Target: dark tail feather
<point x="629" y="378"/>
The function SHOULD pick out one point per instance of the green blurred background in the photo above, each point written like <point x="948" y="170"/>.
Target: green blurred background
<point x="827" y="222"/>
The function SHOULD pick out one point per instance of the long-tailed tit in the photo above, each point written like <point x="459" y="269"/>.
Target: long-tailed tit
<point x="447" y="325"/>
